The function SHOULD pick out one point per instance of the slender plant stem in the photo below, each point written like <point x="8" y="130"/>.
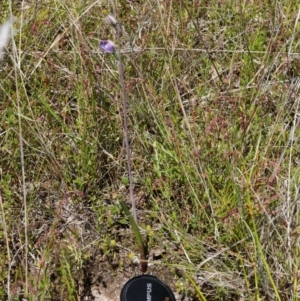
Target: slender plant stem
<point x="125" y="123"/>
<point x="7" y="248"/>
<point x="16" y="56"/>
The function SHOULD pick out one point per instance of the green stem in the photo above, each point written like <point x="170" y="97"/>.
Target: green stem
<point x="138" y="236"/>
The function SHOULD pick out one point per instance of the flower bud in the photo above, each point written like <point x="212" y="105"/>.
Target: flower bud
<point x="111" y="20"/>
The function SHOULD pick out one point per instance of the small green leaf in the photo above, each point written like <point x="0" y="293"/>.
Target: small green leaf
<point x="125" y="181"/>
<point x="123" y="221"/>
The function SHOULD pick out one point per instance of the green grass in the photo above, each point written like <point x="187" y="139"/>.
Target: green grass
<point x="213" y="106"/>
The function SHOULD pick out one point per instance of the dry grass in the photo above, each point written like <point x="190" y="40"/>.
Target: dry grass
<point x="213" y="111"/>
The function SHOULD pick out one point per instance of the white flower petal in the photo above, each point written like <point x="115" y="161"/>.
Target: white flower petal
<point x="5" y="33"/>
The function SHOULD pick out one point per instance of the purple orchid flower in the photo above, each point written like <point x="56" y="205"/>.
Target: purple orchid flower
<point x="107" y="46"/>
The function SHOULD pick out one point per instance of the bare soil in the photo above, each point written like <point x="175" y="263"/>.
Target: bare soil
<point x="101" y="282"/>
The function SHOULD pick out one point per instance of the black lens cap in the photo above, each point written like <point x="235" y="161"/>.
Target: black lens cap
<point x="146" y="288"/>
